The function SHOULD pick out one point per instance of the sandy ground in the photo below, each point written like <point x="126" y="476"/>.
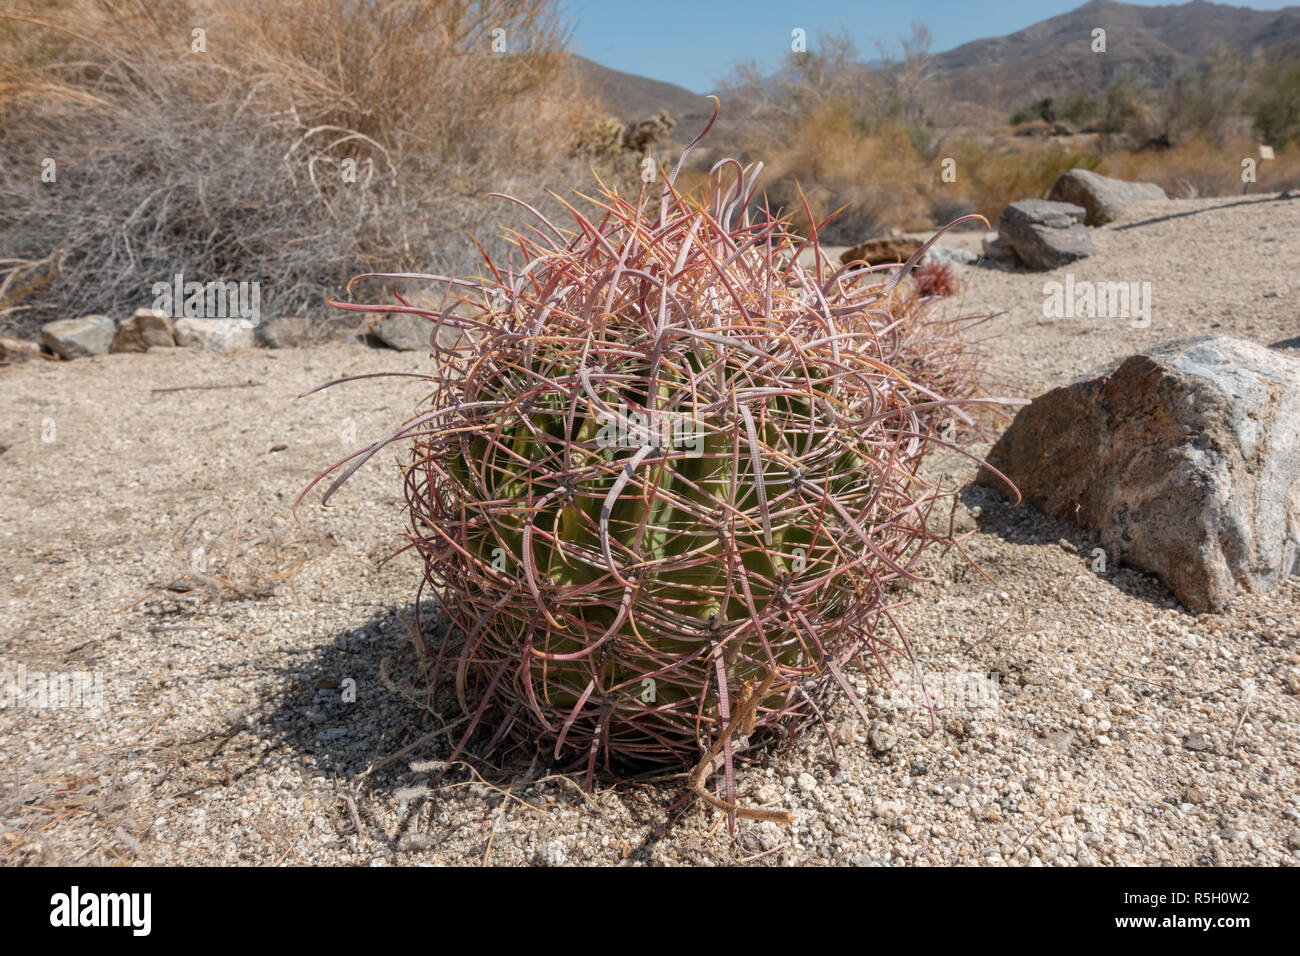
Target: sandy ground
<point x="1085" y="717"/>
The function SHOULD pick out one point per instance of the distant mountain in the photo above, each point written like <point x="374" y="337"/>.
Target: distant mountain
<point x="631" y="97"/>
<point x="1054" y="57"/>
<point x="984" y="78"/>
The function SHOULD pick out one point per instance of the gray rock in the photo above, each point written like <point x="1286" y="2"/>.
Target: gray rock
<point x="881" y="740"/>
<point x="406" y="332"/>
<point x="411" y="333"/>
<point x="947" y="256"/>
<point x="145" y="329"/>
<point x="217" y="335"/>
<point x="1184" y="457"/>
<point x="78" y="338"/>
<point x="286" y="332"/>
<point x="551" y="854"/>
<point x="1102" y="198"/>
<point x="1045" y="235"/>
<point x="995" y="248"/>
<point x="363" y="338"/>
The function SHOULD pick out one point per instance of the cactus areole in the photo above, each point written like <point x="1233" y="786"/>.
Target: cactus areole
<point x="667" y="476"/>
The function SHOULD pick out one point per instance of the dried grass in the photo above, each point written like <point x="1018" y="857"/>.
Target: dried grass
<point x="230" y="164"/>
<point x="1201" y="168"/>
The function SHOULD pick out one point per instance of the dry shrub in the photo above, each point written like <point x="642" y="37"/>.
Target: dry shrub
<point x="888" y="182"/>
<point x="231" y="557"/>
<point x="1131" y="112"/>
<point x="991" y="178"/>
<point x="846" y="132"/>
<point x="230" y="164"/>
<point x="419" y="78"/>
<point x="877" y="172"/>
<point x="1200" y="168"/>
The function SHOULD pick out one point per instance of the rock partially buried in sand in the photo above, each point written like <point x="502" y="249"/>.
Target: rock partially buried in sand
<point x="1185" y="458"/>
<point x="145" y="329"/>
<point x="79" y="338"/>
<point x="1045" y="235"/>
<point x="405" y="332"/>
<point x="883" y="251"/>
<point x="995" y="248"/>
<point x="216" y="335"/>
<point x="947" y="256"/>
<point x="1102" y="198"/>
<point x="286" y="332"/>
<point x="411" y="333"/>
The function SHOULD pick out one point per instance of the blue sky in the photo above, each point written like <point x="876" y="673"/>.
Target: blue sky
<point x="694" y="43"/>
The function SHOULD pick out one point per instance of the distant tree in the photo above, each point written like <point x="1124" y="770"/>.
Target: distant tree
<point x="909" y="74"/>
<point x="1208" y="101"/>
<point x="1129" y="112"/>
<point x="1276" y="104"/>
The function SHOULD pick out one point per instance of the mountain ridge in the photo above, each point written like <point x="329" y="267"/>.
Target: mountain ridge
<point x="1052" y="57"/>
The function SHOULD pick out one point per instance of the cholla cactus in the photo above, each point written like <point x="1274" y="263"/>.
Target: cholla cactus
<point x="640" y="136"/>
<point x="667" y="476"/>
<point x="603" y="138"/>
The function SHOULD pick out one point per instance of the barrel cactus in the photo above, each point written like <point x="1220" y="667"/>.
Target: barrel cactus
<point x="667" y="476"/>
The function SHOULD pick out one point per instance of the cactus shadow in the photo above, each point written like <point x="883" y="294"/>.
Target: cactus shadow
<point x="368" y="742"/>
<point x="349" y="705"/>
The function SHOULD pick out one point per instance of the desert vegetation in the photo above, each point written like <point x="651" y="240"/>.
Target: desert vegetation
<point x="876" y="139"/>
<point x="298" y="142"/>
<point x="660" y="530"/>
<point x="647" y="468"/>
<point x="291" y="143"/>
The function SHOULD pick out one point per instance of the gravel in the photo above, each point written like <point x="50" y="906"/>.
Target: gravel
<point x="261" y="695"/>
